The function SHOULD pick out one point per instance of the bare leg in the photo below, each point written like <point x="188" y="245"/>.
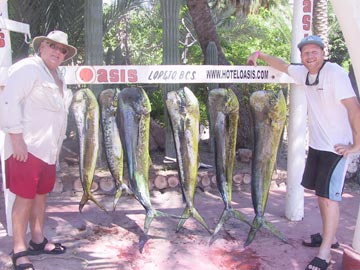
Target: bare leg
<point x="330" y="214"/>
<point x="37" y="218"/>
<point x="20" y="218"/>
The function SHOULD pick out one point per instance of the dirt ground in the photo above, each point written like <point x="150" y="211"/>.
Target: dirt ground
<point x="115" y="240"/>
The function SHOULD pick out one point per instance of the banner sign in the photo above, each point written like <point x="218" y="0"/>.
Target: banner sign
<point x="164" y="74"/>
<point x="14" y="26"/>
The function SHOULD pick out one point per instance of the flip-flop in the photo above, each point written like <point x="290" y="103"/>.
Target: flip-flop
<point x="318" y="263"/>
<point x="36" y="249"/>
<point x="316" y="240"/>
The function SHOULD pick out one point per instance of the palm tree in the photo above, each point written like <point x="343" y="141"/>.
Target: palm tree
<point x="320" y="22"/>
<point x="44" y="16"/>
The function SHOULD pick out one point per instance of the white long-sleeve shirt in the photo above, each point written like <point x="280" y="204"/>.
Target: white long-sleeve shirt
<point x="32" y="104"/>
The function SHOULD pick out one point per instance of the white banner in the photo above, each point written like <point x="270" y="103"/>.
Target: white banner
<point x="14" y="26"/>
<point x="163" y="74"/>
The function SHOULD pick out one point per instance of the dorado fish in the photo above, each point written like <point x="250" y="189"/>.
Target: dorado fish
<point x="183" y="109"/>
<point x="269" y="114"/>
<point x="223" y="111"/>
<point x="85" y="109"/>
<point x="108" y="100"/>
<point x="133" y="118"/>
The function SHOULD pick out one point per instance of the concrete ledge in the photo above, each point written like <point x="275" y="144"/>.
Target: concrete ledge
<point x="351" y="259"/>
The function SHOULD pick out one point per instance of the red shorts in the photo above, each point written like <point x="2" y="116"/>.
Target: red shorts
<point x="26" y="179"/>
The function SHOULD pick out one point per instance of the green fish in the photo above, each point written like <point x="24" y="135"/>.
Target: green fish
<point x="183" y="109"/>
<point x="133" y="119"/>
<point x="85" y="109"/>
<point x="268" y="110"/>
<point x="114" y="153"/>
<point x="223" y="111"/>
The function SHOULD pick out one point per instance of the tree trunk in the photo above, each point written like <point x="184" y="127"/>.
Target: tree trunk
<point x="320" y="23"/>
<point x="93" y="37"/>
<point x="205" y="27"/>
<point x="94" y="53"/>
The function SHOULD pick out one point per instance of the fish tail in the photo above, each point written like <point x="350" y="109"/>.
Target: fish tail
<point x="117" y="197"/>
<point x="275" y="231"/>
<point x="83" y="201"/>
<point x="185" y="215"/>
<point x="236" y="214"/>
<point x="259" y="222"/>
<point x="225" y="216"/>
<point x="90" y="197"/>
<point x="255" y="226"/>
<point x="188" y="212"/>
<point x="200" y="219"/>
<point x="150" y="215"/>
<point x="119" y="192"/>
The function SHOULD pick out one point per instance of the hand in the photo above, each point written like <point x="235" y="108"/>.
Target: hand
<point x="346" y="149"/>
<point x="19" y="147"/>
<point x="252" y="58"/>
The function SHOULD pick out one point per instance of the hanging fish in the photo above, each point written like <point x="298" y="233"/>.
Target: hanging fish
<point x="133" y="119"/>
<point x="108" y="100"/>
<point x="85" y="109"/>
<point x="223" y="111"/>
<point x="183" y="109"/>
<point x="268" y="110"/>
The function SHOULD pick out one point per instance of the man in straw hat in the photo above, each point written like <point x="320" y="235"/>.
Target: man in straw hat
<point x="334" y="135"/>
<point x="34" y="107"/>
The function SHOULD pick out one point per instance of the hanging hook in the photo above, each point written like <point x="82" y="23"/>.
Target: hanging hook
<point x="27" y="37"/>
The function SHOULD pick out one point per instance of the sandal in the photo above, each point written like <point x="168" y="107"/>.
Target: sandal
<point x="36" y="249"/>
<point x="316" y="240"/>
<point x="22" y="266"/>
<point x="318" y="263"/>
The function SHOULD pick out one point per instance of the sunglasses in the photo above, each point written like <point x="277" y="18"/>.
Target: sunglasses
<point x="55" y="47"/>
<point x="316" y="82"/>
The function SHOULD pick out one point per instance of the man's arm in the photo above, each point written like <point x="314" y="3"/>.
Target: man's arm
<point x="20" y="151"/>
<point x="273" y="61"/>
<point x="353" y="109"/>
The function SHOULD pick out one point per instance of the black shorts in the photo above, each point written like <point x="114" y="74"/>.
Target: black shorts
<point x="325" y="173"/>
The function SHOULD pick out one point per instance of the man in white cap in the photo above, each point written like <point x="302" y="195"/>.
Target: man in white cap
<point x="34" y="107"/>
<point x="334" y="134"/>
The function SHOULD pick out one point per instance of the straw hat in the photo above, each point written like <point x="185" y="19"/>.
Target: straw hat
<point x="58" y="37"/>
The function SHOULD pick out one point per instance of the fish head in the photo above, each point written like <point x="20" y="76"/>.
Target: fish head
<point x="224" y="100"/>
<point x="182" y="101"/>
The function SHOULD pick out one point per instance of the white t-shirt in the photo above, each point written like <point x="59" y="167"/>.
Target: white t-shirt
<point x="32" y="104"/>
<point x="327" y="117"/>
